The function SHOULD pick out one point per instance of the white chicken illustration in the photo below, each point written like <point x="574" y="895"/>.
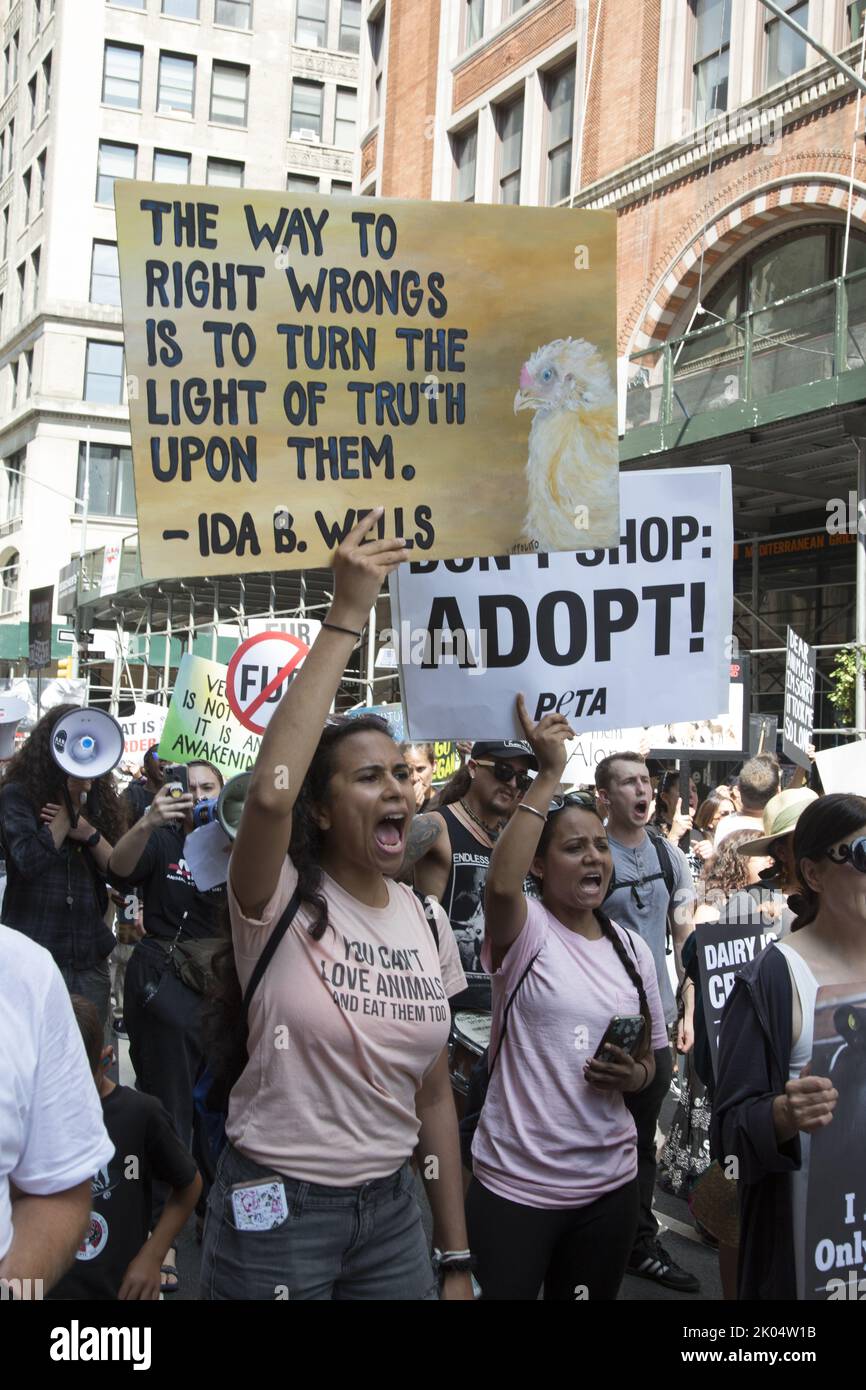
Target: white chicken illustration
<point x="573" y="466"/>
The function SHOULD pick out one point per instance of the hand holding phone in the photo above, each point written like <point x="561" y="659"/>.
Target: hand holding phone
<point x="625" y="1031"/>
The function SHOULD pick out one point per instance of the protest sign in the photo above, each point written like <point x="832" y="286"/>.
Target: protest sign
<point x="305" y="629"/>
<point x="446" y="760"/>
<point x="639" y="633"/>
<point x="393" y="714"/>
<point x="722" y="951"/>
<point x="843" y="769"/>
<point x="142" y="729"/>
<point x="833" y="1263"/>
<point x="259" y="675"/>
<point x="200" y="723"/>
<point x="295" y="362"/>
<point x="799" y="700"/>
<point x="39" y="627"/>
<point x="110" y="569"/>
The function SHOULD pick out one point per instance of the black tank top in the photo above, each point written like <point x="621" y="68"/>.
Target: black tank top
<point x="464" y="892"/>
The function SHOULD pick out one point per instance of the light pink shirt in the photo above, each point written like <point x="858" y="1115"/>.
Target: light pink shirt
<point x="545" y="1137"/>
<point x="342" y="1032"/>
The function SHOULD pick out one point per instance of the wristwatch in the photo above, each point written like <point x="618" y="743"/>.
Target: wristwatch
<point x="94" y="839"/>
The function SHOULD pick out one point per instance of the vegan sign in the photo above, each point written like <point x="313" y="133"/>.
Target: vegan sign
<point x="609" y="638"/>
<point x="799" y="699"/>
<point x="295" y="363"/>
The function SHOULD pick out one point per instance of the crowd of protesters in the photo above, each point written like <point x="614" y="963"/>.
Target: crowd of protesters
<point x="296" y="1089"/>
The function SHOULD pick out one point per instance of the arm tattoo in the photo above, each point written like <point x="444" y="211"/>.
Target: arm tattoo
<point x="423" y="832"/>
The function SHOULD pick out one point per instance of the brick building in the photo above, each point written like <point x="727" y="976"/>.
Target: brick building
<point x="729" y="148"/>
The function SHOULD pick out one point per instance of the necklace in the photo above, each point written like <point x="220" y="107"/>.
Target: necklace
<point x="492" y="835"/>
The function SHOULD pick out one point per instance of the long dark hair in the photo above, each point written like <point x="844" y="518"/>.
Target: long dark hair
<point x="609" y="931"/>
<point x="223" y="1009"/>
<point x="668" y="779"/>
<point x="455" y="788"/>
<point x="34" y="770"/>
<point x="822" y="825"/>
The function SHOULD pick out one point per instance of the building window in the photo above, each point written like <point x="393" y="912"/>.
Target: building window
<point x="46" y="85"/>
<point x="376" y="31"/>
<point x="560" y="128"/>
<point x="855" y="19"/>
<point x="346" y="119"/>
<point x="8" y="139"/>
<point x="340" y="189"/>
<point x="515" y="5"/>
<point x="129" y="4"/>
<point x="510" y="124"/>
<point x="311" y="24"/>
<point x="786" y="51"/>
<point x="712" y="53"/>
<point x="225" y="173"/>
<point x="302" y="183"/>
<point x="5" y="232"/>
<point x="350" y="26"/>
<point x="170" y="167"/>
<point x="108" y="479"/>
<point x="103" y="373"/>
<point x="307" y="110"/>
<point x="35" y="262"/>
<point x="26" y="181"/>
<point x="12" y="498"/>
<point x="31" y="101"/>
<point x="238" y="14"/>
<point x="465" y="147"/>
<point x="15" y="368"/>
<point x="114" y="162"/>
<point x="474" y="22"/>
<point x="229" y="93"/>
<point x="9" y="573"/>
<point x="180" y="9"/>
<point x="105" y="274"/>
<point x="121" y="80"/>
<point x="176" y="90"/>
<point x="27" y="385"/>
<point x="37" y="16"/>
<point x="12" y="63"/>
<point x="21" y="277"/>
<point x="40" y="180"/>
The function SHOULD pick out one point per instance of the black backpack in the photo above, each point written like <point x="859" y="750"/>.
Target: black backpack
<point x="665" y="866"/>
<point x="479" y="1080"/>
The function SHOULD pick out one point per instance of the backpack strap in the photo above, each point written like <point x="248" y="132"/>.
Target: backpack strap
<point x="664" y="858"/>
<point x="430" y="913"/>
<point x="511" y="1000"/>
<point x="267" y="955"/>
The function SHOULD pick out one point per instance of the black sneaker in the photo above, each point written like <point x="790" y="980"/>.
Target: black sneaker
<point x="653" y="1262"/>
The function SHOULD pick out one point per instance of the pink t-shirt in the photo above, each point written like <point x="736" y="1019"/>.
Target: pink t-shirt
<point x="342" y="1032"/>
<point x="546" y="1138"/>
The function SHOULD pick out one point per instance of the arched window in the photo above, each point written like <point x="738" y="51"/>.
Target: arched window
<point x="9" y="577"/>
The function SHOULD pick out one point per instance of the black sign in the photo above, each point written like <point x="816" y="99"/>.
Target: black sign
<point x="39" y="632"/>
<point x="799" y="700"/>
<point x="834" y="1259"/>
<point x="723" y="950"/>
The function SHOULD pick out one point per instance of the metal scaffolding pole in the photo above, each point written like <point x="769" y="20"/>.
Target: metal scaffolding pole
<point x="214" y="636"/>
<point x="860" y="624"/>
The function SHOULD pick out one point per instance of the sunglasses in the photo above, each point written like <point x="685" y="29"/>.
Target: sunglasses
<point x="582" y="799"/>
<point x="854" y="854"/>
<point x="504" y="772"/>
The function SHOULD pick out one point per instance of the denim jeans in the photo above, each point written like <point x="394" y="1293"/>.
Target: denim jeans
<point x="340" y="1243"/>
<point x="93" y="984"/>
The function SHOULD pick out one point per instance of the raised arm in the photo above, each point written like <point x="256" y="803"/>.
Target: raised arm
<point x="129" y="850"/>
<point x="504" y="903"/>
<point x="289" y="742"/>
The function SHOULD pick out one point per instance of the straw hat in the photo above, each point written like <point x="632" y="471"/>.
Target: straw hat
<point x="780" y="818"/>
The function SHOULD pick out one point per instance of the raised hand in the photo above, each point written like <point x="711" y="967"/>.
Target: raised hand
<point x="810" y="1102"/>
<point x="680" y="824"/>
<point x="547" y="739"/>
<point x="360" y="569"/>
<point x="166" y="809"/>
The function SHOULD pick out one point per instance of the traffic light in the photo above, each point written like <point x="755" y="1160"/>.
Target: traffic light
<point x="65" y="668"/>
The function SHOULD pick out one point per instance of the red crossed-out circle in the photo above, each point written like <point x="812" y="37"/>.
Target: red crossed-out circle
<point x="245" y="713"/>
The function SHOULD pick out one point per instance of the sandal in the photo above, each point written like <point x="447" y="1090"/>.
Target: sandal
<point x="170" y="1271"/>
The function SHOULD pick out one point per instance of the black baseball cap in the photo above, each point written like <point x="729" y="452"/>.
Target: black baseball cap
<point x="508" y="748"/>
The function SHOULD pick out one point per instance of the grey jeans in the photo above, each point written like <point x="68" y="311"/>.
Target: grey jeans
<point x="337" y="1243"/>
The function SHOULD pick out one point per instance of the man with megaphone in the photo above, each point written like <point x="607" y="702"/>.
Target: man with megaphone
<point x="60" y="815"/>
<point x="162" y="1008"/>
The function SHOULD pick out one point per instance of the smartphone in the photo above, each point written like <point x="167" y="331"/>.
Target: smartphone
<point x="625" y="1031"/>
<point x="177" y="779"/>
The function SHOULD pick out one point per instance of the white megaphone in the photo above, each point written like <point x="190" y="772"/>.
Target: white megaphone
<point x="86" y="743"/>
<point x="12" y="711"/>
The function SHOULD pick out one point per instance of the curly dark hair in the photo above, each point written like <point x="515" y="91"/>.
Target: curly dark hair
<point x="33" y="768"/>
<point x="223" y="1008"/>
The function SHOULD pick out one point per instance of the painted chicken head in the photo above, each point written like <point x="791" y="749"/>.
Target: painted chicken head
<point x="566" y="374"/>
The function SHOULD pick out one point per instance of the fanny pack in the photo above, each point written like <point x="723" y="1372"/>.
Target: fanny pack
<point x="192" y="961"/>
